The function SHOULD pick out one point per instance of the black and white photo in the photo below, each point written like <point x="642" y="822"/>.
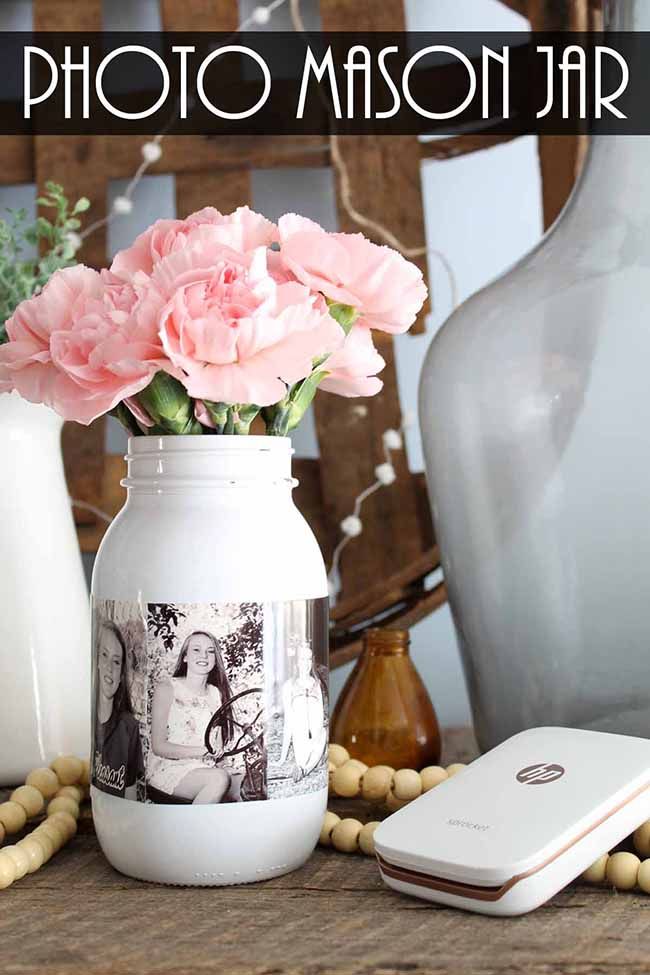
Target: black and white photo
<point x="117" y="751"/>
<point x="210" y="703"/>
<point x="205" y="741"/>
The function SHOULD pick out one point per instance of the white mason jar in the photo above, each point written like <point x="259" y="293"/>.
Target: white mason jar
<point x="209" y="602"/>
<point x="44" y="619"/>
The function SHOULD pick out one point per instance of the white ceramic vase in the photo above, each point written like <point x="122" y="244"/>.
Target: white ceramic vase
<point x="209" y="542"/>
<point x="44" y="617"/>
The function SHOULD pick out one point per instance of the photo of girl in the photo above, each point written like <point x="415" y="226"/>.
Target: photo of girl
<point x="305" y="719"/>
<point x="179" y="764"/>
<point x="117" y="750"/>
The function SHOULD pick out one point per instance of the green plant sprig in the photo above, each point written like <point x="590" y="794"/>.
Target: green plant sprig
<point x="22" y="277"/>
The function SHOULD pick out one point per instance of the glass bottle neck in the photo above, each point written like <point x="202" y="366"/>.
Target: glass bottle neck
<point x="386" y="643"/>
<point x="614" y="176"/>
<point x="616" y="169"/>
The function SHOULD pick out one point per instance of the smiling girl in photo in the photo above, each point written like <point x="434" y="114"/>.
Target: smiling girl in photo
<point x="118" y="753"/>
<point x="179" y="763"/>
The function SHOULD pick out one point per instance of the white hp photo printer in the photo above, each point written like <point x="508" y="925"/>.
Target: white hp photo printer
<point x="509" y="831"/>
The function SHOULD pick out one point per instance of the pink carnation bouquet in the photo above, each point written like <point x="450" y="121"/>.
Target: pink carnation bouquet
<point x="204" y="323"/>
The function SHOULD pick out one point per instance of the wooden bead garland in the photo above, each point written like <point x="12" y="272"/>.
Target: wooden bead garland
<point x="350" y="779"/>
<point x="64" y="784"/>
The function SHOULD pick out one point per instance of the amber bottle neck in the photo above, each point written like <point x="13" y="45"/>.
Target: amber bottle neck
<point x="385" y="643"/>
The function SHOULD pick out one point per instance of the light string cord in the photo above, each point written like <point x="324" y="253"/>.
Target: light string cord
<point x="152" y="150"/>
<point x="352" y="526"/>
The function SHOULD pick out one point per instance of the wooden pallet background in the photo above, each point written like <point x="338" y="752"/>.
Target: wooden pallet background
<point x="384" y="572"/>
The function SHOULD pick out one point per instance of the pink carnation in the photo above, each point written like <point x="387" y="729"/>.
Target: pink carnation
<point x="80" y="346"/>
<point x="352" y="368"/>
<point x="243" y="230"/>
<point x="387" y="290"/>
<point x="237" y="334"/>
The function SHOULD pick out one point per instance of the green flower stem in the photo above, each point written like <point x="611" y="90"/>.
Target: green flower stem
<point x="218" y="414"/>
<point x="276" y="418"/>
<point x="243" y="416"/>
<point x="166" y="401"/>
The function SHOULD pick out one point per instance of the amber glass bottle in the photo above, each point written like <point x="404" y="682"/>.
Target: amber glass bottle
<point x="384" y="715"/>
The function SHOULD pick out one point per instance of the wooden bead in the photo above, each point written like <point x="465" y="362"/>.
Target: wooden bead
<point x="68" y="768"/>
<point x="338" y="755"/>
<point x="8" y="872"/>
<point x="357" y="764"/>
<point x="407" y="784"/>
<point x="35" y="852"/>
<point x="345" y="835"/>
<point x="643" y="876"/>
<point x="72" y="792"/>
<point x="46" y="842"/>
<point x="346" y="779"/>
<point x="622" y="870"/>
<point x="432" y="776"/>
<point x="642" y="839"/>
<point x="12" y="816"/>
<point x="20" y="858"/>
<point x="45" y="780"/>
<point x="67" y="821"/>
<point x="393" y="804"/>
<point x="56" y="831"/>
<point x="455" y="768"/>
<point x="85" y="773"/>
<point x="30" y="798"/>
<point x="329" y="822"/>
<point x="596" y="873"/>
<point x="377" y="782"/>
<point x="367" y="839"/>
<point x="63" y="804"/>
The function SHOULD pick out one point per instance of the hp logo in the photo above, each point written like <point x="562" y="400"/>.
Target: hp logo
<point x="540" y="774"/>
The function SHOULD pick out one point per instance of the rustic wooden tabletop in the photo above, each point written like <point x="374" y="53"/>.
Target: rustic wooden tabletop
<point x="77" y="915"/>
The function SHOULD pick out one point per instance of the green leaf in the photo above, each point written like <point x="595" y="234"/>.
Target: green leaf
<point x="82" y="204"/>
<point x="218" y="414"/>
<point x="243" y="417"/>
<point x="166" y="401"/>
<point x="20" y="279"/>
<point x="345" y="315"/>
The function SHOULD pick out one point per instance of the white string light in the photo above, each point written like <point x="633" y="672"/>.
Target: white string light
<point x="352" y="525"/>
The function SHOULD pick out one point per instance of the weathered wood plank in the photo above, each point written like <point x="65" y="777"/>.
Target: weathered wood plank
<point x="17" y="154"/>
<point x="461" y="145"/>
<point x="181" y="154"/>
<point x="215" y="15"/>
<point x="226" y="190"/>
